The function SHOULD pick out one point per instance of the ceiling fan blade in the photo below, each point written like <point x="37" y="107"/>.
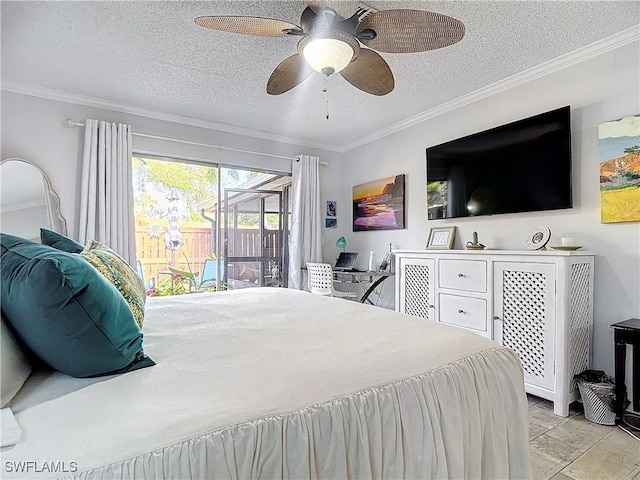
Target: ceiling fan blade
<point x="291" y="71"/>
<point x="370" y="73"/>
<point x="308" y="18"/>
<point x="408" y="31"/>
<point x="264" y="27"/>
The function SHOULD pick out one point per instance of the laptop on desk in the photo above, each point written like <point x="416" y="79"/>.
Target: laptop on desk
<point x="346" y="261"/>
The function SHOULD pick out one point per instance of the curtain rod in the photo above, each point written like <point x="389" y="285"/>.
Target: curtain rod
<point x="70" y="123"/>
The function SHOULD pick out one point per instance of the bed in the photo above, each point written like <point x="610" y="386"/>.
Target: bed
<point x="277" y="383"/>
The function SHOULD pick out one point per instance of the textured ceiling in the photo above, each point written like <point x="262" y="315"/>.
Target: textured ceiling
<point x="151" y="56"/>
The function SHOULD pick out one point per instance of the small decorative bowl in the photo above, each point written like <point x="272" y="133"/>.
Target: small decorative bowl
<point x="471" y="246"/>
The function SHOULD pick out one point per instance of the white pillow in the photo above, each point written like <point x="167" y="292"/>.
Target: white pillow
<point x="14" y="367"/>
<point x="10" y="433"/>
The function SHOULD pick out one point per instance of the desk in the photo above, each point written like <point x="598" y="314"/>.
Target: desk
<point x="370" y="277"/>
<point x="626" y="332"/>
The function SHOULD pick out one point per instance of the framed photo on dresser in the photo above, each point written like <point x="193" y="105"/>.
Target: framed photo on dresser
<point x="441" y="238"/>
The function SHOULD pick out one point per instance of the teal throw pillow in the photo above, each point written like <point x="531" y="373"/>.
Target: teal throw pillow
<point x="66" y="312"/>
<point x="59" y="241"/>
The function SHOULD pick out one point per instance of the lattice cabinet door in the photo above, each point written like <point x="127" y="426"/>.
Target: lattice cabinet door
<point x="417" y="288"/>
<point x="525" y="316"/>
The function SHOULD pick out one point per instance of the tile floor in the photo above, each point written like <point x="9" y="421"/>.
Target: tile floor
<point x="575" y="448"/>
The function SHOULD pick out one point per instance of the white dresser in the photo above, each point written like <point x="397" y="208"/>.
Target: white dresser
<point x="539" y="303"/>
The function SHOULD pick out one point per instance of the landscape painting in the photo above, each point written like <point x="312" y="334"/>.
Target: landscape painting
<point x="619" y="144"/>
<point x="379" y="205"/>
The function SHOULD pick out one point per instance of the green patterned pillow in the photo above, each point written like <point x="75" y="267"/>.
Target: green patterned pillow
<point x="120" y="274"/>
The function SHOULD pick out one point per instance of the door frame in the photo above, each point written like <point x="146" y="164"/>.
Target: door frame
<point x="282" y="255"/>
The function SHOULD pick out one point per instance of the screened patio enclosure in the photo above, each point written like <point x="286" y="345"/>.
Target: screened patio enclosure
<point x="250" y="232"/>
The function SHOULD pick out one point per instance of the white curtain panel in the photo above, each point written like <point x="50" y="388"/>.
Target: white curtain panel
<point x="306" y="218"/>
<point x="106" y="195"/>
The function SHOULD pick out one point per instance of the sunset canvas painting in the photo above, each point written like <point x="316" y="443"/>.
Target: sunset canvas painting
<point x="379" y="205"/>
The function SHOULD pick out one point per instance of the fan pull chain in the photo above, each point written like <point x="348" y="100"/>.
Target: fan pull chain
<point x="325" y="89"/>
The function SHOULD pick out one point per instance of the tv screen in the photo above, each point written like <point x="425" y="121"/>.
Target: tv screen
<point x="523" y="166"/>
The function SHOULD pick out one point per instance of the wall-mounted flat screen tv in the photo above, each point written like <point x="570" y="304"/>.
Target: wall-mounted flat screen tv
<point x="523" y="166"/>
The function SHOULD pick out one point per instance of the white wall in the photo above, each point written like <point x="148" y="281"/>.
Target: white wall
<point x="25" y="222"/>
<point x="34" y="129"/>
<point x="600" y="89"/>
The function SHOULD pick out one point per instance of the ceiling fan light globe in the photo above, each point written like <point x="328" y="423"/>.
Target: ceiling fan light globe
<point x="328" y="55"/>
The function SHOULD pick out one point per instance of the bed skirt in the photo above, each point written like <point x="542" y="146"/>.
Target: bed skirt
<point x="425" y="426"/>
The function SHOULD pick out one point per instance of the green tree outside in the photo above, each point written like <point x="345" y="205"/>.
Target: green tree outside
<point x="154" y="178"/>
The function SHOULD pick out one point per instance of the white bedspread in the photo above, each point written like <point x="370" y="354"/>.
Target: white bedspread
<point x="276" y="383"/>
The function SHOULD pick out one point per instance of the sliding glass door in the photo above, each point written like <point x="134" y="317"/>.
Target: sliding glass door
<point x="223" y="227"/>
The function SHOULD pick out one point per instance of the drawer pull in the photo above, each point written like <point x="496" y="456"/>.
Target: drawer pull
<point x="460" y="311"/>
<point x="461" y="274"/>
<point x="495" y="317"/>
<point x="431" y="306"/>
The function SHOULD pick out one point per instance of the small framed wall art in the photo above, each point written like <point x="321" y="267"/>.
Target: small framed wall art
<point x="441" y="238"/>
<point x="331" y="215"/>
<point x="331" y="208"/>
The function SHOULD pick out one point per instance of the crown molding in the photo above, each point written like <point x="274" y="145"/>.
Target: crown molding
<point x="617" y="40"/>
<point x="60" y="96"/>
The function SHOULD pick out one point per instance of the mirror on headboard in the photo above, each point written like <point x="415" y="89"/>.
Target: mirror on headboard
<point x="27" y="201"/>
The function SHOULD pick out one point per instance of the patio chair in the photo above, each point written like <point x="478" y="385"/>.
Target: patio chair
<point x="210" y="272"/>
<point x="320" y="281"/>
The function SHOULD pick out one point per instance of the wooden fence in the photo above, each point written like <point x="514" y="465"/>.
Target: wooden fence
<point x="156" y="258"/>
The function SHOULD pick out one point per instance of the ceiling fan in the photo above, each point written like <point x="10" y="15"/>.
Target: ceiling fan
<point x="334" y="42"/>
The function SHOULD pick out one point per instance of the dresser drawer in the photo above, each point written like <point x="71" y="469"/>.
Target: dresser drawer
<point x="463" y="311"/>
<point x="467" y="275"/>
